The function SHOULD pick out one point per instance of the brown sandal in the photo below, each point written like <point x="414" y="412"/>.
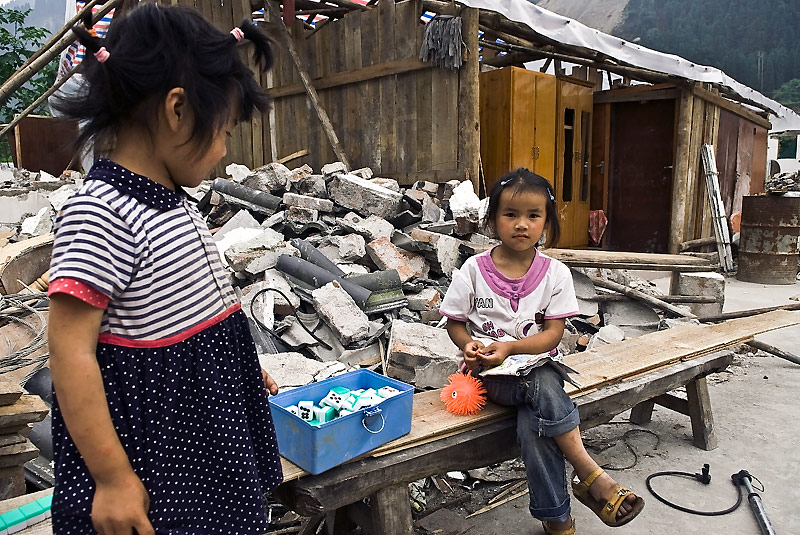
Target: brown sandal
<point x="550" y="531"/>
<point x="607" y="512"/>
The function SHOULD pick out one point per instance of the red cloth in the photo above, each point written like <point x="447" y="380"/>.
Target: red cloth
<point x="597" y="225"/>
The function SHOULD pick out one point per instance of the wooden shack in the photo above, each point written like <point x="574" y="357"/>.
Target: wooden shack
<point x="647" y="173"/>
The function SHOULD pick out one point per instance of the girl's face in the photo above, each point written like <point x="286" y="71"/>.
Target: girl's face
<point x="521" y="219"/>
<point x="193" y="167"/>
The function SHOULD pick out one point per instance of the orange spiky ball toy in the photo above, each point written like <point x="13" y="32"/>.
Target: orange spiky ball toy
<point x="463" y="395"/>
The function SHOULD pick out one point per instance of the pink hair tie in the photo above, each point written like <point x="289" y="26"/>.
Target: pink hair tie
<point x="102" y="54"/>
<point x="237" y="33"/>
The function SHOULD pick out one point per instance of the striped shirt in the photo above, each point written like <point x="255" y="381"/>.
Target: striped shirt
<point x="144" y="251"/>
<point x="74" y="53"/>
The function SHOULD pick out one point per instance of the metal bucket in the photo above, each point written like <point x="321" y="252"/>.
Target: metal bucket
<point x="768" y="250"/>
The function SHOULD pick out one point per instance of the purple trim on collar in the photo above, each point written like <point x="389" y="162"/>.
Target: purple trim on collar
<point x="513" y="289"/>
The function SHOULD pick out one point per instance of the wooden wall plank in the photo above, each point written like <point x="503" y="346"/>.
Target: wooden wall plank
<point x="693" y="175"/>
<point x="322" y="152"/>
<point x="424" y="112"/>
<point x="370" y="92"/>
<point x="353" y="120"/>
<point x="388" y="88"/>
<point x="406" y="96"/>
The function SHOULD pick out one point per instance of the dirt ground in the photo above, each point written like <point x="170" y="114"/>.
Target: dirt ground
<point x="755" y="405"/>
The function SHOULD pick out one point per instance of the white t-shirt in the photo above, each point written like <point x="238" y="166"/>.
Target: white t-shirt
<point x="496" y="307"/>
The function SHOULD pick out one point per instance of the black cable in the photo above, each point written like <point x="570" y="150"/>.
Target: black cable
<point x="704" y="478"/>
<point x="625" y="437"/>
<point x="294" y="313"/>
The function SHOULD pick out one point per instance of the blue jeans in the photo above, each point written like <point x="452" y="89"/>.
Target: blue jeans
<point x="544" y="411"/>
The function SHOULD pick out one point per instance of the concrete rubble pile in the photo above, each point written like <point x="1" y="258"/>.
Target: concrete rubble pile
<point x="783" y="182"/>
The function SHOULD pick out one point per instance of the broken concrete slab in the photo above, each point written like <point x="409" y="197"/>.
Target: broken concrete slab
<point x="242" y="219"/>
<point x="633" y="317"/>
<point x="271" y="177"/>
<point x="291" y="370"/>
<point x="60" y="196"/>
<point x="363" y="196"/>
<point x="609" y="334"/>
<point x="707" y="284"/>
<point x="341" y="313"/>
<point x="447" y="249"/>
<point x="413" y="347"/>
<point x="300" y="174"/>
<point x="427" y="299"/>
<point x="259" y="305"/>
<point x="372" y="227"/>
<point x="306" y="201"/>
<point x="386" y="255"/>
<point x="388" y="183"/>
<point x="334" y="168"/>
<point x="298" y="214"/>
<point x="39" y="224"/>
<point x="258" y="253"/>
<point x="464" y="202"/>
<point x="351" y="247"/>
<point x="14" y="208"/>
<point x="237" y="172"/>
<point x="365" y="173"/>
<point x="312" y="185"/>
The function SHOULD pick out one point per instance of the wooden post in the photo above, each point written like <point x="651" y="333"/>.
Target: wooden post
<point x="680" y="171"/>
<point x="19" y="78"/>
<point x="700" y="413"/>
<point x="312" y="93"/>
<point x="391" y="510"/>
<point x="469" y="131"/>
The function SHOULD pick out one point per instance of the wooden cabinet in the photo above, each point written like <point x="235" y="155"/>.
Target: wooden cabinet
<point x="543" y="123"/>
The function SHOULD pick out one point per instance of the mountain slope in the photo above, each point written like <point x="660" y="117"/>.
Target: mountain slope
<point x="603" y="15"/>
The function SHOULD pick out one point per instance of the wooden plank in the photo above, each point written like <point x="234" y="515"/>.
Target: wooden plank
<point x="353" y="119"/>
<point x="388" y="89"/>
<point x="444" y="115"/>
<point x="321" y="152"/>
<point x="683" y="131"/>
<point x="469" y="135"/>
<point x="603" y="365"/>
<point x="370" y="90"/>
<point x="424" y="113"/>
<point x="693" y="174"/>
<point x="406" y="97"/>
<point x="433" y="175"/>
<point x="337" y="97"/>
<point x="636" y="94"/>
<point x="645" y="260"/>
<point x="731" y="106"/>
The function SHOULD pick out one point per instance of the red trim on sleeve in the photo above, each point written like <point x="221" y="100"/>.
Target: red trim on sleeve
<point x="113" y="339"/>
<point x="81" y="290"/>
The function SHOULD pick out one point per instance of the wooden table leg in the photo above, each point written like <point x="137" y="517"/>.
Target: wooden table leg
<point x="642" y="413"/>
<point x="391" y="511"/>
<point x="700" y="413"/>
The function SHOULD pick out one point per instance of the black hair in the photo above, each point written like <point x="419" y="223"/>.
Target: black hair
<point x="521" y="181"/>
<point x="152" y="50"/>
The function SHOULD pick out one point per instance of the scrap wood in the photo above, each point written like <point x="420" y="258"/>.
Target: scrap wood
<point x="509" y="488"/>
<point x="774" y="351"/>
<point x="641" y="296"/>
<point x="498" y="504"/>
<point x="746" y="313"/>
<point x="293" y="156"/>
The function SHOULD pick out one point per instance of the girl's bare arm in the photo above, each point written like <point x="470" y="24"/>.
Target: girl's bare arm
<point x="121" y="501"/>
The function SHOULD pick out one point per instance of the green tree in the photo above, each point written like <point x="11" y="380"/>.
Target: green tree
<point x="789" y="94"/>
<point x="18" y="42"/>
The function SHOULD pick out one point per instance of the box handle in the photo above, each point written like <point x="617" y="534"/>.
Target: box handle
<point x="369" y="413"/>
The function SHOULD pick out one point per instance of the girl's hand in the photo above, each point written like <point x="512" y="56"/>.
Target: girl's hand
<point x="120" y="507"/>
<point x="472" y="354"/>
<point x="495" y="354"/>
<point x="269" y="382"/>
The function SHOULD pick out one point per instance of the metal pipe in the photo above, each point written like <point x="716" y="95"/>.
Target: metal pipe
<point x="310" y="253"/>
<point x="260" y="198"/>
<point x="757" y="506"/>
<point x="318" y="277"/>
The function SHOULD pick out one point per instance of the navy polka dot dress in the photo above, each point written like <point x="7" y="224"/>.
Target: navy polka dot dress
<point x="179" y="366"/>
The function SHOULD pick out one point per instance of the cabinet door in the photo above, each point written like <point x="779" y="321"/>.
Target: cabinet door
<point x="524" y="95"/>
<point x="545" y="133"/>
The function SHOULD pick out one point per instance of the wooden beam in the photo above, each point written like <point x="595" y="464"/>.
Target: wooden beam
<point x="731" y="106"/>
<point x="469" y="130"/>
<point x="351" y="77"/>
<point x="312" y="93"/>
<point x="636" y="94"/>
<point x="772" y="350"/>
<point x="639" y="296"/>
<point x="435" y="175"/>
<point x="680" y="170"/>
<point x="747" y="313"/>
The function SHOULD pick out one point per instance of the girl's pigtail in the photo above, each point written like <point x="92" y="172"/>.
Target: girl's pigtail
<point x="262" y="42"/>
<point x="88" y="38"/>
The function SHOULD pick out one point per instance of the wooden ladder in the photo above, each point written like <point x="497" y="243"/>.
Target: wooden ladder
<point x="717" y="209"/>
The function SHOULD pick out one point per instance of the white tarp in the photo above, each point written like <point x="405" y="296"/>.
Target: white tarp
<point x="572" y="32"/>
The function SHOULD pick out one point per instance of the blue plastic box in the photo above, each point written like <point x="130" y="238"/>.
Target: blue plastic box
<point x="316" y="448"/>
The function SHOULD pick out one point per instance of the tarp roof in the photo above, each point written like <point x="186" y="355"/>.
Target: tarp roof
<point x="572" y="32"/>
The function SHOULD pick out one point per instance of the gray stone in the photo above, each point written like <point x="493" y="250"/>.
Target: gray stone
<point x="242" y="219"/>
<point x="301" y="173"/>
<point x="363" y="196"/>
<point x="305" y="201"/>
<point x="350" y="247"/>
<point x="39" y="224"/>
<point x="237" y="172"/>
<point x="427" y="299"/>
<point x="274" y="219"/>
<point x="275" y="279"/>
<point x="387" y="255"/>
<point x="706" y="284"/>
<point x="333" y="168"/>
<point x="261" y="307"/>
<point x="299" y="214"/>
<point x="364" y="172"/>
<point x="447" y="249"/>
<point x="372" y="227"/>
<point x="431" y="213"/>
<point x="273" y="176"/>
<point x="413" y="347"/>
<point x="291" y="370"/>
<point x="633" y="317"/>
<point x="340" y="312"/>
<point x="388" y="183"/>
<point x="313" y="185"/>
<point x="258" y="253"/>
<point x="364" y="356"/>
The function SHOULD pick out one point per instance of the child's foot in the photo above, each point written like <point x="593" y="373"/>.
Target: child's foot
<point x="559" y="528"/>
<point x="614" y="504"/>
<point x="604" y="488"/>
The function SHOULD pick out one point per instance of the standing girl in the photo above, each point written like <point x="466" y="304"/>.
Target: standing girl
<point x="160" y="421"/>
<point x="513" y="300"/>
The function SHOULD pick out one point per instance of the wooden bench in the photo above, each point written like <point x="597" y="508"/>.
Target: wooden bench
<point x="384" y="474"/>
